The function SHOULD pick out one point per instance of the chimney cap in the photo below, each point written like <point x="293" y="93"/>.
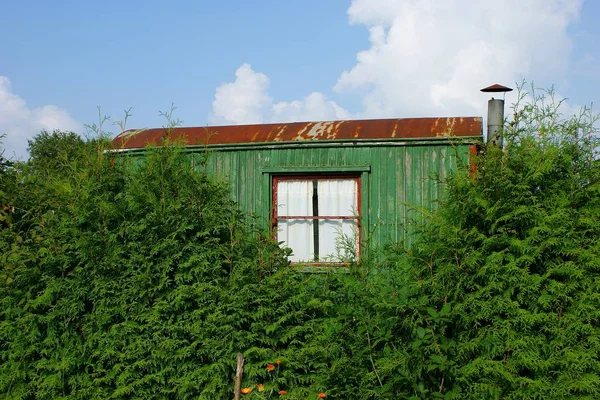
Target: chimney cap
<point x="496" y="89"/>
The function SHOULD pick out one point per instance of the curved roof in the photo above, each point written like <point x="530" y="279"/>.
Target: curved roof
<point x="407" y="128"/>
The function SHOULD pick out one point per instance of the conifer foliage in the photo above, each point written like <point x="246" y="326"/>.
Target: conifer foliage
<point x="130" y="277"/>
<point x="138" y="278"/>
<point x="505" y="300"/>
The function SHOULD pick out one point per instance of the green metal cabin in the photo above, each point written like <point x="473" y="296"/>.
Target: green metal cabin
<point x="328" y="187"/>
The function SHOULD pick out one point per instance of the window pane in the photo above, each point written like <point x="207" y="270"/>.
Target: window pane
<point x="338" y="197"/>
<point x="294" y="198"/>
<point x="331" y="240"/>
<point x="297" y="235"/>
<point x="338" y="240"/>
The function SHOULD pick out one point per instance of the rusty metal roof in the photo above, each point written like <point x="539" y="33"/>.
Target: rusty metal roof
<point x="407" y="128"/>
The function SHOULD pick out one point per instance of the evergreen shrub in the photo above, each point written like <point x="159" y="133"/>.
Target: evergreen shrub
<point x="140" y="278"/>
<point x="505" y="299"/>
<point x="136" y="278"/>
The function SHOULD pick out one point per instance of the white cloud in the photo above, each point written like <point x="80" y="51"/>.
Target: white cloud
<point x="314" y="107"/>
<point x="426" y="58"/>
<point x="432" y="57"/>
<point x="19" y="122"/>
<point x="247" y="101"/>
<point x="244" y="101"/>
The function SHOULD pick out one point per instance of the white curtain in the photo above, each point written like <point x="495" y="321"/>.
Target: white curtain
<point x="337" y="197"/>
<point x="337" y="236"/>
<point x="294" y="198"/>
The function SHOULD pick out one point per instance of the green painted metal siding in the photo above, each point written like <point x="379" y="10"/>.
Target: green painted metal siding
<point x="402" y="177"/>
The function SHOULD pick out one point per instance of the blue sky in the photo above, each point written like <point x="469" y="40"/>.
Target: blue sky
<point x="229" y="62"/>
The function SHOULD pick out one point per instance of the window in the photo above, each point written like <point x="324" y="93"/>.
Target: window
<point x="318" y="217"/>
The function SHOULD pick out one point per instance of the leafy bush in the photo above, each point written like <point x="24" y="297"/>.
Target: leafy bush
<point x="140" y="278"/>
<point x="124" y="277"/>
<point x="505" y="300"/>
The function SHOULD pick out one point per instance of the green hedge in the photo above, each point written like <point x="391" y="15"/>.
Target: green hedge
<point x="131" y="280"/>
<point x="143" y="280"/>
<point x="506" y="298"/>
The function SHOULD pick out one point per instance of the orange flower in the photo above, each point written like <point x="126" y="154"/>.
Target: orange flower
<point x="270" y="367"/>
<point x="246" y="390"/>
<point x="278" y="362"/>
<point x="322" y="395"/>
<point x="282" y="392"/>
<point x="260" y="387"/>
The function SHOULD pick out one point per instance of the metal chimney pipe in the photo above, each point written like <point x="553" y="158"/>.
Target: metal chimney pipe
<point x="495" y="116"/>
<point x="495" y="120"/>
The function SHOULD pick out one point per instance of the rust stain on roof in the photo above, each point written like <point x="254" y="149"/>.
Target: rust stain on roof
<point x="394" y="131"/>
<point x="409" y="128"/>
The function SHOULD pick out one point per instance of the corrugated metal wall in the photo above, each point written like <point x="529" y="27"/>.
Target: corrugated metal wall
<point x="402" y="178"/>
